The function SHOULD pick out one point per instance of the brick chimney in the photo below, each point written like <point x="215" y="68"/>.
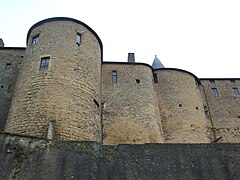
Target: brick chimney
<point x="1" y="43"/>
<point x="131" y="58"/>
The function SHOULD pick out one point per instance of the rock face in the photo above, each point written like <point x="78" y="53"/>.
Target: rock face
<point x="29" y="158"/>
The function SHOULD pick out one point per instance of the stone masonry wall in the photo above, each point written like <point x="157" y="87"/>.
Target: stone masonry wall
<point x="10" y="61"/>
<point x="68" y="92"/>
<point x="130" y="114"/>
<point x="224" y="109"/>
<point x="29" y="158"/>
<point x="181" y="107"/>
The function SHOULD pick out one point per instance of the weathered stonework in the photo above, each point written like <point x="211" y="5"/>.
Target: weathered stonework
<point x="181" y="107"/>
<point x="33" y="158"/>
<point x="131" y="112"/>
<point x="10" y="61"/>
<point x="76" y="98"/>
<point x="224" y="109"/>
<point x="67" y="91"/>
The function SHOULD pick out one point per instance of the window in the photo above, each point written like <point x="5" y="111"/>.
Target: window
<point x="205" y="110"/>
<point x="212" y="82"/>
<point x="78" y="39"/>
<point x="235" y="92"/>
<point x="137" y="80"/>
<point x="114" y="77"/>
<point x="8" y="66"/>
<point x="233" y="82"/>
<point x="44" y="63"/>
<point x="215" y="92"/>
<point x="96" y="102"/>
<point x="155" y="79"/>
<point x="35" y="39"/>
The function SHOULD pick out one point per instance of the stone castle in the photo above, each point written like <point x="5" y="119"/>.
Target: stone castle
<point x="59" y="87"/>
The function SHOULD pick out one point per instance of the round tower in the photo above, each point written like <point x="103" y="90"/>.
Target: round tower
<point x="58" y="89"/>
<point x="180" y="106"/>
<point x="130" y="114"/>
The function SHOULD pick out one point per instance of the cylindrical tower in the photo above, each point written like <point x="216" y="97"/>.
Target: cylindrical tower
<point x="58" y="89"/>
<point x="131" y="114"/>
<point x="181" y="106"/>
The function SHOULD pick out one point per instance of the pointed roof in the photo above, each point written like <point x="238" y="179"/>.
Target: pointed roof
<point x="157" y="63"/>
<point x="1" y="43"/>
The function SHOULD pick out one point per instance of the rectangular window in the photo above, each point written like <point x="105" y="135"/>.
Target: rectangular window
<point x="212" y="82"/>
<point x="155" y="79"/>
<point x="8" y="66"/>
<point x="233" y="82"/>
<point x="215" y="92"/>
<point x="44" y="63"/>
<point x="114" y="77"/>
<point x="235" y="92"/>
<point x="35" y="39"/>
<point x="78" y="39"/>
<point x="205" y="110"/>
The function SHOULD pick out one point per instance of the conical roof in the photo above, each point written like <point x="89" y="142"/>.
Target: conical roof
<point x="157" y="63"/>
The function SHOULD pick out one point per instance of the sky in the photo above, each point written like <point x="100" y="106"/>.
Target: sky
<point x="202" y="37"/>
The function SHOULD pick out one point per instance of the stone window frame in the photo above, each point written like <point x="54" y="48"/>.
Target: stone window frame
<point x="44" y="63"/>
<point x="215" y="92"/>
<point x="78" y="38"/>
<point x="114" y="76"/>
<point x="235" y="91"/>
<point x="35" y="39"/>
<point x="8" y="66"/>
<point x="155" y="78"/>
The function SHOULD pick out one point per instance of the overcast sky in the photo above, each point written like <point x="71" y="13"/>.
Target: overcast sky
<point x="200" y="36"/>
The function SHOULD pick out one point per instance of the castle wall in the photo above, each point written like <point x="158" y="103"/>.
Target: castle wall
<point x="224" y="109"/>
<point x="181" y="107"/>
<point x="10" y="60"/>
<point x="130" y="113"/>
<point x="64" y="95"/>
<point x="31" y="158"/>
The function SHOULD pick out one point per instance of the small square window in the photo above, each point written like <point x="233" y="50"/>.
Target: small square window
<point x="114" y="77"/>
<point x="212" y="82"/>
<point x="155" y="78"/>
<point x="215" y="92"/>
<point x="78" y="39"/>
<point x="35" y="39"/>
<point x="44" y="63"/>
<point x="235" y="92"/>
<point x="8" y="66"/>
<point x="233" y="82"/>
<point x="137" y="80"/>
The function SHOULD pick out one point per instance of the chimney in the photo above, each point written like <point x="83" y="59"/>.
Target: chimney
<point x="131" y="58"/>
<point x="1" y="43"/>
